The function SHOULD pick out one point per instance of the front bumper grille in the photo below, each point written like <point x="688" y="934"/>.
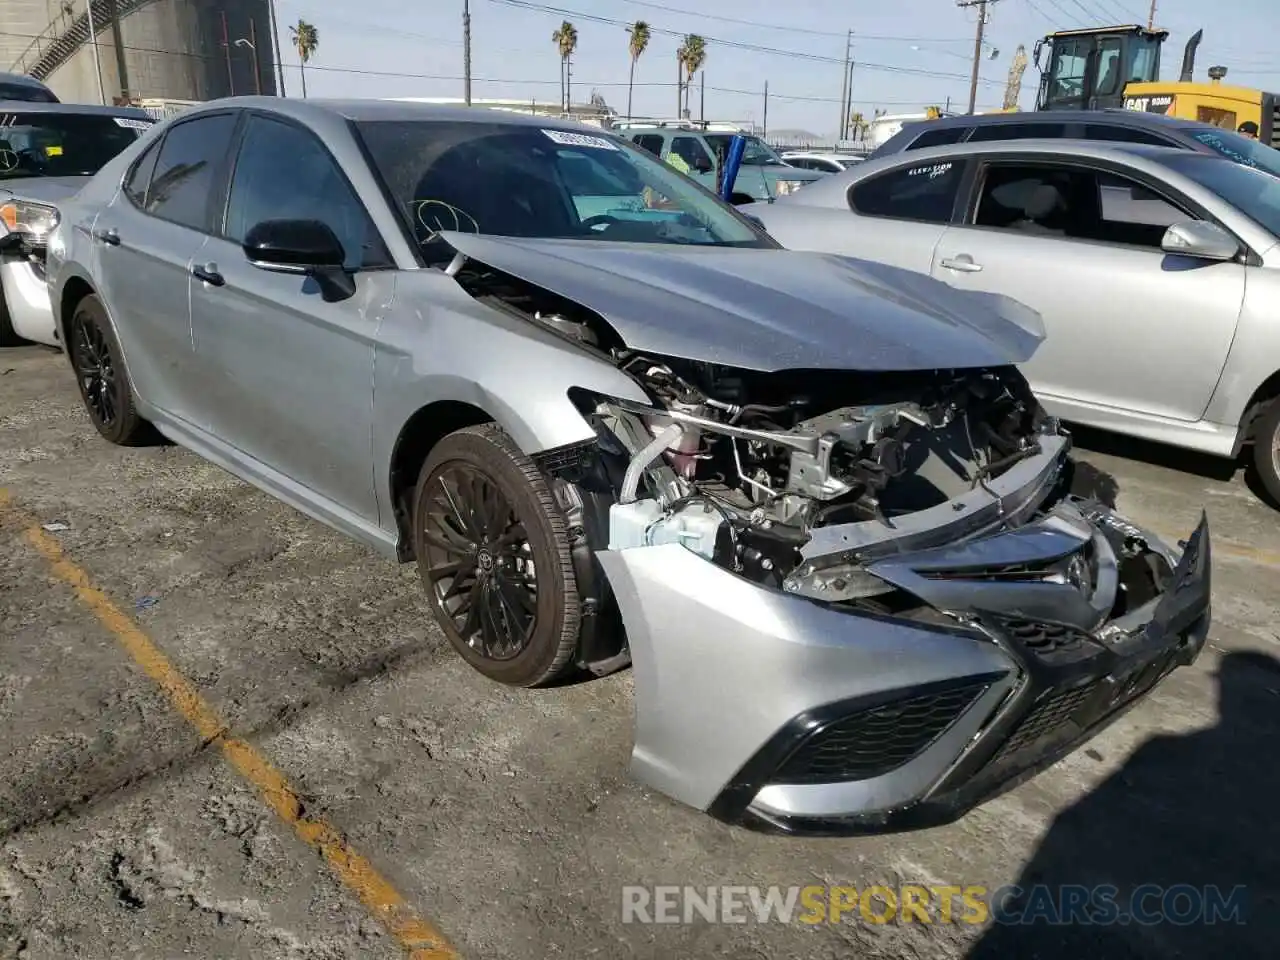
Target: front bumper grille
<point x="877" y="740"/>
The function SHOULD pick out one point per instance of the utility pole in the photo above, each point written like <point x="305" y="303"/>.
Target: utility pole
<point x="764" y="122"/>
<point x="679" y="87"/>
<point x="702" y="105"/>
<point x="844" y="86"/>
<point x="278" y="69"/>
<point x="1151" y="17"/>
<point x="848" y="96"/>
<point x="466" y="51"/>
<point x="977" y="46"/>
<point x="97" y="64"/>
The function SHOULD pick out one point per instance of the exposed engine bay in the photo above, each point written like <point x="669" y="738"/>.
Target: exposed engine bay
<point x="798" y="479"/>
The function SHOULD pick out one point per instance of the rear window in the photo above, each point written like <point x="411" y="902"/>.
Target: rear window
<point x="1017" y="131"/>
<point x="1119" y="134"/>
<point x="1249" y="153"/>
<point x="937" y="137"/>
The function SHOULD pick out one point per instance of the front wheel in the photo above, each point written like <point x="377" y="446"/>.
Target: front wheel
<point x="1266" y="449"/>
<point x="104" y="386"/>
<point x="492" y="548"/>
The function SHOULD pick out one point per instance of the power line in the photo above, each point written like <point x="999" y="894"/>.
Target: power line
<point x="409" y="75"/>
<point x="740" y="45"/>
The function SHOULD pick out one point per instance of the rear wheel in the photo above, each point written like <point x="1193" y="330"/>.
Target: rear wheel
<point x="492" y="549"/>
<point x="1266" y="449"/>
<point x="104" y="386"/>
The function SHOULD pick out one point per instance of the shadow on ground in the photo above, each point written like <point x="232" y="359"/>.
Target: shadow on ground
<point x="1187" y="819"/>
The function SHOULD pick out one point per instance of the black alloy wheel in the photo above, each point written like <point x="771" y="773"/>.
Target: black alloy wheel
<point x="492" y="549"/>
<point x="104" y="386"/>
<point x="480" y="562"/>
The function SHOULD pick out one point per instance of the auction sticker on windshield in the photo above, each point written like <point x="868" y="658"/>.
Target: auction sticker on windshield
<point x="132" y="124"/>
<point x="570" y="139"/>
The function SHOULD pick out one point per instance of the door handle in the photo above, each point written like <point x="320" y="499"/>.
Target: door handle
<point x="108" y="236"/>
<point x="209" y="274"/>
<point x="961" y="262"/>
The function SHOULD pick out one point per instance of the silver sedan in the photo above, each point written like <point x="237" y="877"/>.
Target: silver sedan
<point x="811" y="499"/>
<point x="1156" y="272"/>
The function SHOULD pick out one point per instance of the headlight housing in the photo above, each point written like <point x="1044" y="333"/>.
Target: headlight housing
<point x="31" y="220"/>
<point x="784" y="187"/>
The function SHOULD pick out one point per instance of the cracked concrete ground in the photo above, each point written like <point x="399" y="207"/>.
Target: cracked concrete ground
<point x="507" y="817"/>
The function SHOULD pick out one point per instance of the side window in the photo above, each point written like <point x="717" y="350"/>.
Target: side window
<point x="1073" y="203"/>
<point x="1111" y="76"/>
<point x="925" y="192"/>
<point x="1017" y="131"/>
<point x="308" y="186"/>
<point x="937" y="137"/>
<point x="693" y="153"/>
<point x="139" y="178"/>
<point x="649" y="141"/>
<point x="801" y="163"/>
<point x="1119" y="134"/>
<point x="1134" y="213"/>
<point x="184" y="172"/>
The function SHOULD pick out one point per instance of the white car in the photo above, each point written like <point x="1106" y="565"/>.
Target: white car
<point x="48" y="151"/>
<point x="822" y="162"/>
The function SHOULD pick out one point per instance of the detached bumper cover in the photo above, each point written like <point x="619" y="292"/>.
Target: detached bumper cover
<point x="788" y="714"/>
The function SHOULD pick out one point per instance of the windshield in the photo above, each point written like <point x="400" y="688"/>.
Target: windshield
<point x="1233" y="146"/>
<point x="756" y="153"/>
<point x="62" y="144"/>
<point x="512" y="180"/>
<point x="1248" y="189"/>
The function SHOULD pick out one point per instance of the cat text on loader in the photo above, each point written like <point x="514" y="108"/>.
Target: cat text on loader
<point x="1215" y="102"/>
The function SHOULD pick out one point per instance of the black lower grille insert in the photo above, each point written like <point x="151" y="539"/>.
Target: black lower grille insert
<point x="877" y="740"/>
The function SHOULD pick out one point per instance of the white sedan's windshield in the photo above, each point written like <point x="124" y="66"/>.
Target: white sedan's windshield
<point x="1248" y="189"/>
<point x="514" y="180"/>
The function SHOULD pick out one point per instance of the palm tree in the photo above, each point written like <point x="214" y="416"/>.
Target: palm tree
<point x="691" y="55"/>
<point x="639" y="43"/>
<point x="566" y="41"/>
<point x="305" y="40"/>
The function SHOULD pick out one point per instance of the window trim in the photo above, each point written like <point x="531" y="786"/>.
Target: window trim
<point x="132" y="168"/>
<point x="1174" y="197"/>
<point x="966" y="164"/>
<point x="219" y="170"/>
<point x="238" y="140"/>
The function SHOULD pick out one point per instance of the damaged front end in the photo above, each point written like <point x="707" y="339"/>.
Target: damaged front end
<point x="869" y="601"/>
<point x="856" y="600"/>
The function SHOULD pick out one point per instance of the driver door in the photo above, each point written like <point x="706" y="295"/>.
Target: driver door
<point x="289" y="375"/>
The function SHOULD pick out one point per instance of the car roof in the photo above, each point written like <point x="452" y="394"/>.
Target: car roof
<point x="1111" y="115"/>
<point x="315" y="109"/>
<point x="837" y="183"/>
<point x="74" y="109"/>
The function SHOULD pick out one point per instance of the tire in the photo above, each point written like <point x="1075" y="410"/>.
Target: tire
<point x="475" y="483"/>
<point x="8" y="337"/>
<point x="105" y="389"/>
<point x="1266" y="449"/>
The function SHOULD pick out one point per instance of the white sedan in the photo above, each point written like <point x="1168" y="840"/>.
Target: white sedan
<point x="48" y="151"/>
<point x="823" y="162"/>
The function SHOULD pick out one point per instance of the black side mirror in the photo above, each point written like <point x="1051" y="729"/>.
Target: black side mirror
<point x="307" y="247"/>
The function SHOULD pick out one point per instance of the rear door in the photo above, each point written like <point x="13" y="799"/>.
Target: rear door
<point x="896" y="216"/>
<point x="1129" y="327"/>
<point x="146" y="240"/>
<point x="289" y="376"/>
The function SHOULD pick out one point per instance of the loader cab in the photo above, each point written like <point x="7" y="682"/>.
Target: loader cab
<point x="1089" y="69"/>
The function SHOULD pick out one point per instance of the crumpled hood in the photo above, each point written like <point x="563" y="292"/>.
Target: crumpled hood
<point x="43" y="189"/>
<point x="769" y="309"/>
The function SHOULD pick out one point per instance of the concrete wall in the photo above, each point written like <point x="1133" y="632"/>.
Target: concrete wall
<point x="165" y="48"/>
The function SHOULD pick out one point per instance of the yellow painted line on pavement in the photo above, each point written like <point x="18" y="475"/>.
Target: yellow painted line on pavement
<point x="420" y="939"/>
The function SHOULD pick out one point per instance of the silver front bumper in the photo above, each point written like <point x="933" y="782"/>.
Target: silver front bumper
<point x="768" y="708"/>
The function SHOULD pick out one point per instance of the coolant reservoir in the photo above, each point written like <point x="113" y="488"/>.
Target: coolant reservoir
<point x="645" y="523"/>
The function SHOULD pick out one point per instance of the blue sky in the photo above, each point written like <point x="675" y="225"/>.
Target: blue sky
<point x="375" y="48"/>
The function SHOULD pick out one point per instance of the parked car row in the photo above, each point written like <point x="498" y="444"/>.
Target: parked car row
<point x="812" y="499"/>
<point x="1156" y="269"/>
